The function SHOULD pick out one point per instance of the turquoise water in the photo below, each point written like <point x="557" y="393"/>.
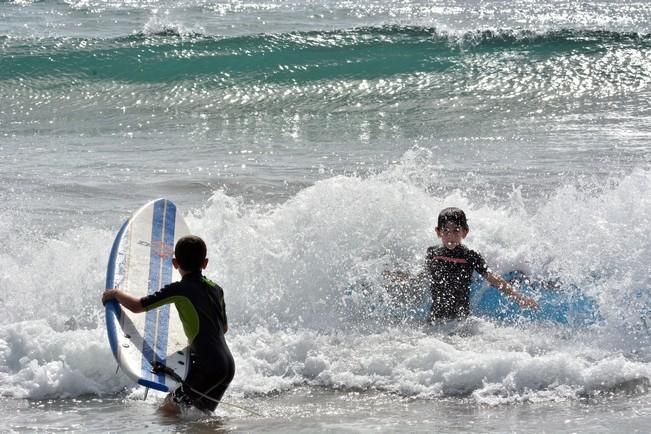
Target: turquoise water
<point x="312" y="144"/>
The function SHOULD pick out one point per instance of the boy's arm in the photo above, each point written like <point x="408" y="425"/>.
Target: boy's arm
<point x="498" y="282"/>
<point x="129" y="301"/>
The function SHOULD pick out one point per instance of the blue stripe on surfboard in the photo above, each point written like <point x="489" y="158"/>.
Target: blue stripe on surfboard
<point x="154" y="385"/>
<point x="157" y="320"/>
<point x="167" y="245"/>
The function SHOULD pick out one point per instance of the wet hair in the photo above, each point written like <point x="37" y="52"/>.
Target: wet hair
<point x="452" y="215"/>
<point x="190" y="252"/>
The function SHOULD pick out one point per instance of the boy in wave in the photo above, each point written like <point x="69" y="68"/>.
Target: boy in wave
<point x="448" y="272"/>
<point x="200" y="303"/>
<point x="449" y="269"/>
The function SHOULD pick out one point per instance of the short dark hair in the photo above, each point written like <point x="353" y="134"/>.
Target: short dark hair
<point x="452" y="215"/>
<point x="190" y="252"/>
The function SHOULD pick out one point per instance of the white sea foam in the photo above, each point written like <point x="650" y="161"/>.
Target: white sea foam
<point x="304" y="294"/>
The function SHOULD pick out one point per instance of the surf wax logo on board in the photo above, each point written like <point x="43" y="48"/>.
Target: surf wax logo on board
<point x="159" y="248"/>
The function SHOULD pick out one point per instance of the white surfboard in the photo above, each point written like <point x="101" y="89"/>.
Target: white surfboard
<point x="141" y="263"/>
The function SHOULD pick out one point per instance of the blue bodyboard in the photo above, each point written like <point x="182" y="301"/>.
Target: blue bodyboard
<point x="558" y="303"/>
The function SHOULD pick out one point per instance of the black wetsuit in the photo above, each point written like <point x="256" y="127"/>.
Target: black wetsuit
<point x="200" y="304"/>
<point x="449" y="273"/>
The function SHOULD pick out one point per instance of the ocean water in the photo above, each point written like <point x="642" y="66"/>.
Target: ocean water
<point x="312" y="144"/>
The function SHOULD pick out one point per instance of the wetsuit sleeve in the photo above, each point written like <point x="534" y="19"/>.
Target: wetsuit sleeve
<point x="162" y="296"/>
<point x="479" y="264"/>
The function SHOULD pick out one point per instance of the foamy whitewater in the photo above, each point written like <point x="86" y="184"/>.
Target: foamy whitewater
<point x="312" y="145"/>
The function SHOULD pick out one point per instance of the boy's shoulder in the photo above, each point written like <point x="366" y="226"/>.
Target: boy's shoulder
<point x="211" y="283"/>
<point x="193" y="280"/>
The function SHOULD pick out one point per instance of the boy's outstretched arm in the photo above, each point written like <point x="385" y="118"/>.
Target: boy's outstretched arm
<point x="129" y="301"/>
<point x="498" y="282"/>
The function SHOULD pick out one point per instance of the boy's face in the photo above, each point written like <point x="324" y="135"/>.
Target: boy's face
<point x="451" y="235"/>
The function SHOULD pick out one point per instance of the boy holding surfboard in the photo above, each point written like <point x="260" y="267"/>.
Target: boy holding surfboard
<point x="201" y="307"/>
